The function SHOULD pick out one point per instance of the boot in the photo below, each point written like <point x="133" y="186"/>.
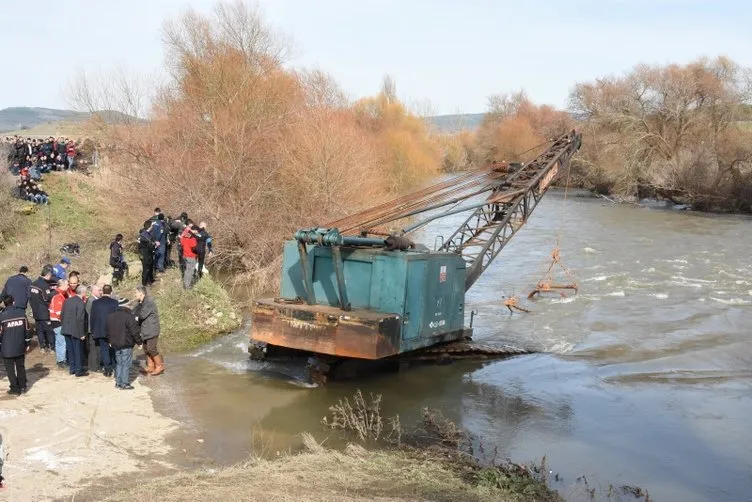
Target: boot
<point x="149" y="366"/>
<point x="158" y="365"/>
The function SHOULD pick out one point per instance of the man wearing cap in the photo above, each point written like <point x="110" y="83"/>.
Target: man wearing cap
<point x="18" y="286"/>
<point x="122" y="334"/>
<point x="59" y="271"/>
<point x="56" y="309"/>
<point x="92" y="351"/>
<point x="100" y="311"/>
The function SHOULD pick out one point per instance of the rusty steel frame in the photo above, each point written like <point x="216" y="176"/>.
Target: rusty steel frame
<point x="489" y="228"/>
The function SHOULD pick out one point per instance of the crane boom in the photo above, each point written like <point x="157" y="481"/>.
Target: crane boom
<point x="491" y="226"/>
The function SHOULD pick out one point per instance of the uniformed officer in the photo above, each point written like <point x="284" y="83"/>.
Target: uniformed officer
<point x="15" y="340"/>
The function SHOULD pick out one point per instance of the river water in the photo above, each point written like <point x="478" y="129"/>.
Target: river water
<point x="643" y="378"/>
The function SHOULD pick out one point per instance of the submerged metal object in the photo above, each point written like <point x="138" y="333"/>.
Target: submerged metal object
<point x="352" y="289"/>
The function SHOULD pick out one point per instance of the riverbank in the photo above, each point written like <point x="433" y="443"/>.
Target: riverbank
<point x="322" y="474"/>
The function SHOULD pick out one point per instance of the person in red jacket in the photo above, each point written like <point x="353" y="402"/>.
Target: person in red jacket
<point x="188" y="243"/>
<point x="56" y="307"/>
<point x="70" y="154"/>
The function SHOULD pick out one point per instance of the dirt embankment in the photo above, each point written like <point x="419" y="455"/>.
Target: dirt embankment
<point x="66" y="433"/>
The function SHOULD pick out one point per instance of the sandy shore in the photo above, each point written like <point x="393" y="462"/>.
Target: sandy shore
<point x="68" y="433"/>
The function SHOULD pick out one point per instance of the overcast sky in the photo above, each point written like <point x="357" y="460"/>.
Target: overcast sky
<point x="453" y="54"/>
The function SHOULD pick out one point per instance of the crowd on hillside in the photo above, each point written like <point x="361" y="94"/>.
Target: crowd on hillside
<point x="90" y="329"/>
<point x="30" y="158"/>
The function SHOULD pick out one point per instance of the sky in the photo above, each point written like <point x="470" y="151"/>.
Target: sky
<point x="445" y="56"/>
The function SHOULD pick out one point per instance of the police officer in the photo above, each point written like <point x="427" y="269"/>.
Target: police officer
<point x="15" y="340"/>
<point x="40" y="294"/>
<point x="17" y="286"/>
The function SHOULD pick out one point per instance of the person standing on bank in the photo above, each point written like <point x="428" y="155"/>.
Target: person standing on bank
<point x="93" y="353"/>
<point x="56" y="308"/>
<point x="73" y="318"/>
<point x="203" y="248"/>
<point x="40" y="295"/>
<point x="18" y="286"/>
<point x="146" y="253"/>
<point x="122" y="334"/>
<point x="148" y="319"/>
<point x="100" y="311"/>
<point x="189" y="245"/>
<point x="15" y="340"/>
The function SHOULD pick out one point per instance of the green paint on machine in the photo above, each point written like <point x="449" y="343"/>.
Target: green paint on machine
<point x="425" y="289"/>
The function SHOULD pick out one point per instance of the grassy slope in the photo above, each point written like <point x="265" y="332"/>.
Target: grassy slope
<point x="321" y="474"/>
<point x="79" y="213"/>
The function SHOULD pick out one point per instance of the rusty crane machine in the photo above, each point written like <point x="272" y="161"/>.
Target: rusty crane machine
<point x="358" y="289"/>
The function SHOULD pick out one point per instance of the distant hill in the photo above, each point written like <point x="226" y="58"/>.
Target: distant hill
<point x="456" y="123"/>
<point x="22" y="117"/>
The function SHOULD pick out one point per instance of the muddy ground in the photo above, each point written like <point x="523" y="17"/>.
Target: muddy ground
<point x="67" y="433"/>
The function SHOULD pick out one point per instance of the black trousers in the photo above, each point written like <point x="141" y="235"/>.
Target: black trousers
<point x="16" y="369"/>
<point x="46" y="334"/>
<point x="200" y="267"/>
<point x="92" y="354"/>
<point x="147" y="270"/>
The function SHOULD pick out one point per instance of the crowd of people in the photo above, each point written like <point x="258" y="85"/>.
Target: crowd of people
<point x="158" y="236"/>
<point x="85" y="329"/>
<point x="31" y="158"/>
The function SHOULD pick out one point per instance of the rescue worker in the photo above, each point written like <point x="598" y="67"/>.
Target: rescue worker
<point x="59" y="271"/>
<point x="188" y="243"/>
<point x="40" y="295"/>
<point x="146" y="253"/>
<point x="73" y="319"/>
<point x="100" y="311"/>
<point x="15" y="341"/>
<point x="117" y="260"/>
<point x="17" y="286"/>
<point x="122" y="334"/>
<point x="56" y="309"/>
<point x="147" y="317"/>
<point x="204" y="247"/>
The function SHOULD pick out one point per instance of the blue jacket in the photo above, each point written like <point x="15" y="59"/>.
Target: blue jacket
<point x="100" y="311"/>
<point x="58" y="271"/>
<point x="18" y="286"/>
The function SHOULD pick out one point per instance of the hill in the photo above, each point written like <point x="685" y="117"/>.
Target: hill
<point x="51" y="122"/>
<point x="455" y="123"/>
<point x="23" y="117"/>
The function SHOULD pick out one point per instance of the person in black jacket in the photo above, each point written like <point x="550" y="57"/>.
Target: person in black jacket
<point x="73" y="319"/>
<point x="40" y="294"/>
<point x="100" y="311"/>
<point x="117" y="260"/>
<point x="203" y="248"/>
<point x="146" y="247"/>
<point x="122" y="334"/>
<point x="15" y="339"/>
<point x="17" y="286"/>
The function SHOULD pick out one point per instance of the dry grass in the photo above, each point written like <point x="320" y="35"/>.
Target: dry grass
<point x="322" y="475"/>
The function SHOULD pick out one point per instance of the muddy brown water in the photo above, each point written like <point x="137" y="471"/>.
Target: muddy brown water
<point x="643" y="378"/>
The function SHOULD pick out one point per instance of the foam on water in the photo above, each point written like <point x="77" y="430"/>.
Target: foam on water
<point x="619" y="293"/>
<point x="731" y="301"/>
<point x="568" y="299"/>
<point x="660" y="296"/>
<point x="589" y="250"/>
<point x="597" y="278"/>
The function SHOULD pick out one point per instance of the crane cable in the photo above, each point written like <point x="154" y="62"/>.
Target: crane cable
<point x="547" y="284"/>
